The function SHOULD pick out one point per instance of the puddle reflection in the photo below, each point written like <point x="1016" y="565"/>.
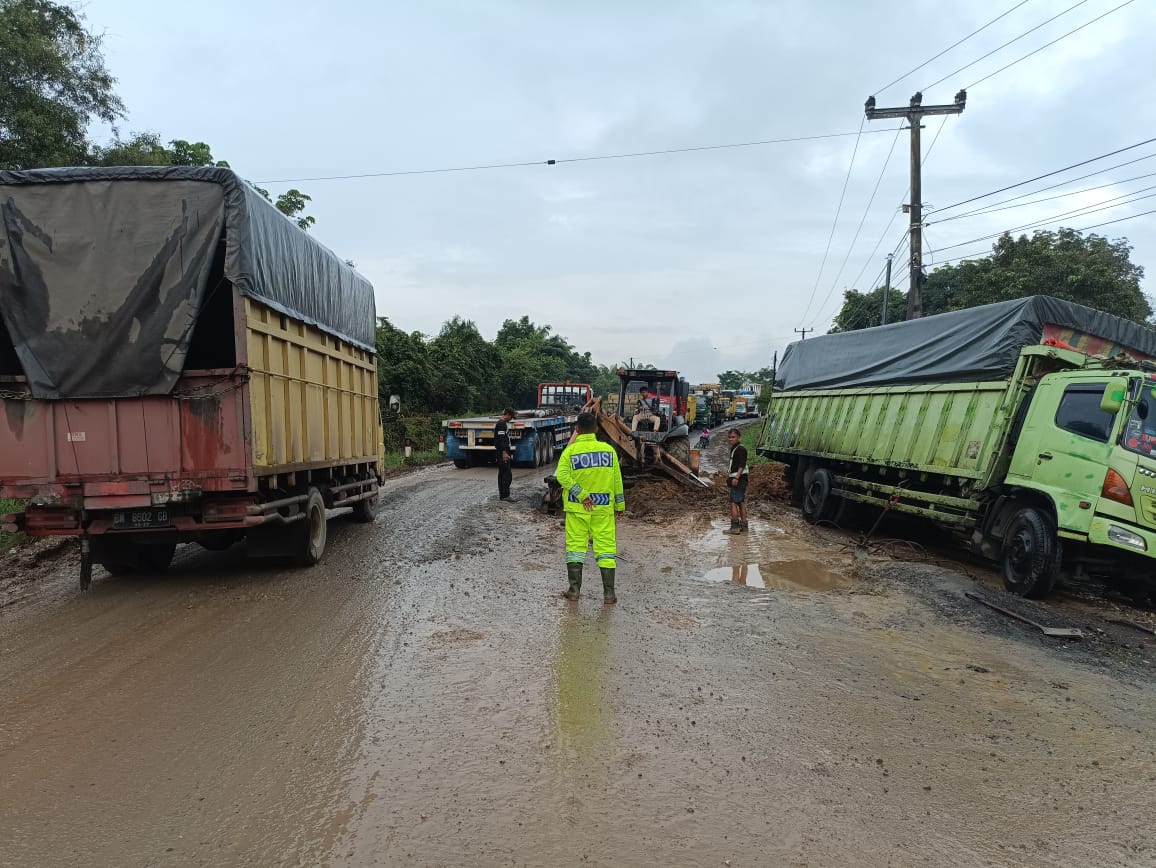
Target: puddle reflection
<point x="793" y="575"/>
<point x="579" y="703"/>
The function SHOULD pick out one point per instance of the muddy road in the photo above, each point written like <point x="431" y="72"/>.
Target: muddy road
<point x="424" y="697"/>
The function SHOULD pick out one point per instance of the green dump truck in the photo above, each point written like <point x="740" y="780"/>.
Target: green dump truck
<point x="1027" y="427"/>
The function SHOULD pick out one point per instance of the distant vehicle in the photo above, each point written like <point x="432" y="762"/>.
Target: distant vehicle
<point x="536" y="436"/>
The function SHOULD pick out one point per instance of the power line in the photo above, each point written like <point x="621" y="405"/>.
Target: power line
<point x="1088" y="209"/>
<point x="895" y="213"/>
<point x="979" y="254"/>
<point x="1006" y="44"/>
<point x="1053" y="42"/>
<point x="993" y="209"/>
<point x="1046" y="175"/>
<point x="862" y="220"/>
<point x="552" y="162"/>
<point x="834" y="224"/>
<point x="950" y="47"/>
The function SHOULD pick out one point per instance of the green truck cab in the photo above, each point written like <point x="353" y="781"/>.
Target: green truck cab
<point x="1048" y="470"/>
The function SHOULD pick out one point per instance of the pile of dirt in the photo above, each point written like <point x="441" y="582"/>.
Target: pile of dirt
<point x="768" y="482"/>
<point x="657" y="495"/>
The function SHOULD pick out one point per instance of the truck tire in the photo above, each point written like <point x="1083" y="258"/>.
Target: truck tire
<point x="818" y="502"/>
<point x="313" y="531"/>
<point x="155" y="558"/>
<point x="1031" y="554"/>
<point x="365" y="511"/>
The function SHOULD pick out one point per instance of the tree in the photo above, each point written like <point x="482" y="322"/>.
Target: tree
<point x="53" y="82"/>
<point x="290" y="203"/>
<point x="863" y="310"/>
<point x="1087" y="269"/>
<point x="732" y="379"/>
<point x="402" y="365"/>
<point x="146" y="149"/>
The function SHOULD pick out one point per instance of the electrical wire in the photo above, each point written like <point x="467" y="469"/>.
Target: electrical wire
<point x="834" y="225"/>
<point x="1047" y="175"/>
<point x="1078" y="212"/>
<point x="552" y="162"/>
<point x="950" y="47"/>
<point x="993" y="209"/>
<point x="980" y="254"/>
<point x="898" y="208"/>
<point x="1006" y="44"/>
<point x="1050" y="44"/>
<point x="862" y="220"/>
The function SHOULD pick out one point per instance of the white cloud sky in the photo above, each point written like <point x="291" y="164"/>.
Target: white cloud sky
<point x="703" y="261"/>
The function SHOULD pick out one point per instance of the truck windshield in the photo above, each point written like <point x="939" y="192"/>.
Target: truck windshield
<point x="1140" y="431"/>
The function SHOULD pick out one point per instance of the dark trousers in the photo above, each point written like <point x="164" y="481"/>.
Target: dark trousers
<point x="505" y="477"/>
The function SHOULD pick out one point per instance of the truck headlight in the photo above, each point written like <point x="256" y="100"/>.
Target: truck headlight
<point x="1125" y="537"/>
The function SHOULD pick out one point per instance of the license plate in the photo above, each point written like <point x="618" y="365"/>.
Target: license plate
<point x="137" y="518"/>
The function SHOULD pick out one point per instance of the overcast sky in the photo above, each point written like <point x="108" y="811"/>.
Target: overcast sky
<point x="703" y="261"/>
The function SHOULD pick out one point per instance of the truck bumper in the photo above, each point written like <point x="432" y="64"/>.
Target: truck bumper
<point x="1122" y="535"/>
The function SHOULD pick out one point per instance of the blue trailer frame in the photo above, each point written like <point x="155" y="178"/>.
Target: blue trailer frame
<point x="536" y="441"/>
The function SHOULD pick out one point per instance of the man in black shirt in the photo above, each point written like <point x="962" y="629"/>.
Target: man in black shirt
<point x="505" y="454"/>
<point x="737" y="477"/>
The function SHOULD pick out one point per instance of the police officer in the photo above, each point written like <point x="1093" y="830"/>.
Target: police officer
<point x="591" y="483"/>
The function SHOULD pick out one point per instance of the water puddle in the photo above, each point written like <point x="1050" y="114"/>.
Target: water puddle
<point x="793" y="575"/>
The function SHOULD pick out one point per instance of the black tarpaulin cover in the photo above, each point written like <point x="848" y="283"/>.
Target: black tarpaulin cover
<point x="981" y="343"/>
<point x="103" y="272"/>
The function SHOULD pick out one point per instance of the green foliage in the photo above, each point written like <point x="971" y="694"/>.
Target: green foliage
<point x="146" y="149"/>
<point x="291" y="203"/>
<point x="863" y="310"/>
<point x="750" y="439"/>
<point x="53" y="83"/>
<point x="7" y="540"/>
<point x="732" y="379"/>
<point x="1087" y="269"/>
<point x="458" y="370"/>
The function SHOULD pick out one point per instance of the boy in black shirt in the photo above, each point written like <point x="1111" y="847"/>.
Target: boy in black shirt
<point x="737" y="477"/>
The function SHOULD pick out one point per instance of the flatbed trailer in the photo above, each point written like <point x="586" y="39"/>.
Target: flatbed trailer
<point x="536" y="436"/>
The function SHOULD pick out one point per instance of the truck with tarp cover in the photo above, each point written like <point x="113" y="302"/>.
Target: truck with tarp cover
<point x="1027" y="426"/>
<point x="178" y="363"/>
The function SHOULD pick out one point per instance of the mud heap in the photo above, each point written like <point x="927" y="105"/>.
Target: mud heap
<point x="655" y="496"/>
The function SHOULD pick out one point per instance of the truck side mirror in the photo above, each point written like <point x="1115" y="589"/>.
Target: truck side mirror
<point x="394" y="403"/>
<point x="1114" y="394"/>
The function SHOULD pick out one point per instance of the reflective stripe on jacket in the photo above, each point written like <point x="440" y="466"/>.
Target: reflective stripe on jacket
<point x="590" y="467"/>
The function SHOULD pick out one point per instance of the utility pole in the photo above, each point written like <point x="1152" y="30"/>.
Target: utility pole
<point x="886" y="290"/>
<point x="803" y="332"/>
<point x="915" y="111"/>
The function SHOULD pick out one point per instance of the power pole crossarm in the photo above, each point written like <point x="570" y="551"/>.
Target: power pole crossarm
<point x="914" y="112"/>
<point x="803" y="332"/>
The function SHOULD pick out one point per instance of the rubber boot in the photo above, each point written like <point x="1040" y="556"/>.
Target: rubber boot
<point x="574" y="574"/>
<point x="608" y="595"/>
<point x="743" y="526"/>
<point x="735" y="527"/>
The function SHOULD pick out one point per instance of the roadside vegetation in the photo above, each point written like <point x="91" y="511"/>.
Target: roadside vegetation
<point x="8" y="540"/>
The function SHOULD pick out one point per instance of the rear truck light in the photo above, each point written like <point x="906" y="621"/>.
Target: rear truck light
<point x="1115" y="488"/>
<point x="1123" y="536"/>
<point x="442" y="443"/>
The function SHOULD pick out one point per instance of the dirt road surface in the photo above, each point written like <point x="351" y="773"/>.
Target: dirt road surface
<point x="424" y="697"/>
